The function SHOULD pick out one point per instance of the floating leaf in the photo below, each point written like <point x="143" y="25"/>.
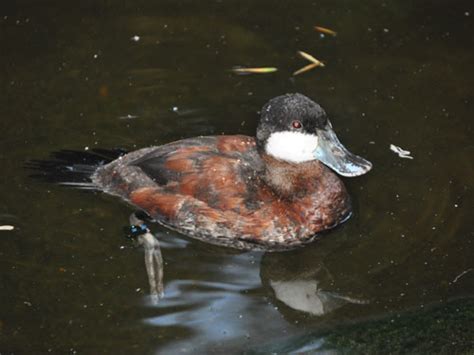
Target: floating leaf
<point x="310" y="58"/>
<point x="264" y="70"/>
<point x="305" y="69"/>
<point x="402" y="153"/>
<point x="325" y="30"/>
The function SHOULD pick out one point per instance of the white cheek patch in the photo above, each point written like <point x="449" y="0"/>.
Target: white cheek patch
<point x="295" y="147"/>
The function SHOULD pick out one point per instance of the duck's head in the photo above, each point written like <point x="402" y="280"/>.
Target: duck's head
<point x="295" y="129"/>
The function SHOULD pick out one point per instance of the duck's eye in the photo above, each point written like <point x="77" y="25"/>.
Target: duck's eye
<point x="296" y="124"/>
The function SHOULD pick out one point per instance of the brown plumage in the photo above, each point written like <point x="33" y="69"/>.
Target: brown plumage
<point x="218" y="189"/>
<point x="241" y="191"/>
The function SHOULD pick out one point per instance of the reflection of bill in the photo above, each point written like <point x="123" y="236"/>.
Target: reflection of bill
<point x="304" y="295"/>
<point x="307" y="281"/>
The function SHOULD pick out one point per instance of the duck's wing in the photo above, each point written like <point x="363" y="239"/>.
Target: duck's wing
<point x="208" y="188"/>
<point x="214" y="170"/>
<point x="167" y="164"/>
<point x="221" y="172"/>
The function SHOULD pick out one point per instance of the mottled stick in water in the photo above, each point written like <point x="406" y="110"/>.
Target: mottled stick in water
<point x="325" y="30"/>
<point x="264" y="70"/>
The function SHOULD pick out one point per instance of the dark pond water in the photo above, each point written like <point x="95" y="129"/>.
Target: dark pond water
<point x="71" y="76"/>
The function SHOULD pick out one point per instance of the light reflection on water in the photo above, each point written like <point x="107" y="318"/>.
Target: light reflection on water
<point x="219" y="314"/>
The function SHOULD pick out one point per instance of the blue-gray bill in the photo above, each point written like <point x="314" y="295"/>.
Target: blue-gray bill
<point x="334" y="155"/>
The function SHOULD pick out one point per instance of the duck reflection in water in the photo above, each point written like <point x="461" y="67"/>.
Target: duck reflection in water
<point x="301" y="290"/>
<point x="304" y="290"/>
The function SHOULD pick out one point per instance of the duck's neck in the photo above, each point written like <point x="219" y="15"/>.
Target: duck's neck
<point x="292" y="180"/>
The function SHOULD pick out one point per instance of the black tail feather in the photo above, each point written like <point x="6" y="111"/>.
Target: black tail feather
<point x="72" y="168"/>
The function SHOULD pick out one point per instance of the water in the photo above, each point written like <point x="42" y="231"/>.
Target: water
<point x="75" y="77"/>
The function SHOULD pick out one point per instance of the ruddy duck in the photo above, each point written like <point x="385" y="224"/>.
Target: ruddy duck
<point x="272" y="192"/>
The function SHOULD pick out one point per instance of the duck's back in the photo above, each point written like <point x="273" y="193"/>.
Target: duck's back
<point x="211" y="188"/>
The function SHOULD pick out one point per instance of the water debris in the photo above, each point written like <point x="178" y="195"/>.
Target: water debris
<point x="314" y="63"/>
<point x="263" y="70"/>
<point x="310" y="58"/>
<point x="402" y="153"/>
<point x="6" y="227"/>
<point x="305" y="69"/>
<point x="325" y="30"/>
<point x="128" y="117"/>
<point x="461" y="275"/>
<point x="135" y="38"/>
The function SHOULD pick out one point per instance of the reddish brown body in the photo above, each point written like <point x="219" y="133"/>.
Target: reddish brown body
<point x="220" y="190"/>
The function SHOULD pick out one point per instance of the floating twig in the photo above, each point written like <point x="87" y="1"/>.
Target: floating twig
<point x="6" y="228"/>
<point x="461" y="275"/>
<point x="264" y="70"/>
<point x="305" y="69"/>
<point x="314" y="63"/>
<point x="310" y="58"/>
<point x="325" y="30"/>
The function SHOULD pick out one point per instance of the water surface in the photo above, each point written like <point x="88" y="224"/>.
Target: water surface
<point x="76" y="76"/>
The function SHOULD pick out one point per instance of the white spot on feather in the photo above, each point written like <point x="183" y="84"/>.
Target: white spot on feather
<point x="295" y="147"/>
